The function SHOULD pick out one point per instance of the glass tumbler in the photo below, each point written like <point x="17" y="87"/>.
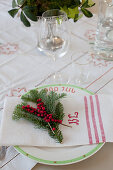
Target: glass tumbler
<point x="104" y="35"/>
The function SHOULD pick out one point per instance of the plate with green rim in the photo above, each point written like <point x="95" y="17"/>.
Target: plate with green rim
<point x="61" y="155"/>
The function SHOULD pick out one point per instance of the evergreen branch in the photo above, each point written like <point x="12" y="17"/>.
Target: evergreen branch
<point x="40" y="124"/>
<point x="51" y="100"/>
<point x="49" y="104"/>
<point x="33" y="95"/>
<point x="57" y="136"/>
<point x="59" y="111"/>
<point x="20" y="113"/>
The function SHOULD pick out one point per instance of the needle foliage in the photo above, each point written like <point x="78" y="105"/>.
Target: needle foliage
<point x="52" y="105"/>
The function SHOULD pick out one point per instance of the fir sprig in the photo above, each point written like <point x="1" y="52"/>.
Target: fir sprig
<point x="49" y="99"/>
<point x="52" y="106"/>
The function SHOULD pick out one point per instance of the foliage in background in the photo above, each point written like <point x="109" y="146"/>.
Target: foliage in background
<point x="30" y="9"/>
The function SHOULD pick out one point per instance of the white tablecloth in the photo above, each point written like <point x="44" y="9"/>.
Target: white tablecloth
<point x="23" y="67"/>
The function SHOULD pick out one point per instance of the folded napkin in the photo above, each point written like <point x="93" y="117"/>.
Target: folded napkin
<point x="91" y="118"/>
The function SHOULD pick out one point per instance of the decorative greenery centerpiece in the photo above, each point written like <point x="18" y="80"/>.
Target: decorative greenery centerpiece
<point x="30" y="9"/>
<point x="48" y="113"/>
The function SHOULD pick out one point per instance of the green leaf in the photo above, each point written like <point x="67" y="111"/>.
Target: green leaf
<point x="83" y="1"/>
<point x="14" y="4"/>
<point x="20" y="2"/>
<point x="91" y="3"/>
<point x="65" y="9"/>
<point x="88" y="4"/>
<point x="86" y="12"/>
<point x="77" y="3"/>
<point x="13" y="12"/>
<point x="85" y="4"/>
<point x="73" y="12"/>
<point x="29" y="14"/>
<point x="24" y="20"/>
<point x="80" y="16"/>
<point x="77" y="17"/>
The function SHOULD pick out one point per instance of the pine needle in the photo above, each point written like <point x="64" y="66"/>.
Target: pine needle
<point x="52" y="105"/>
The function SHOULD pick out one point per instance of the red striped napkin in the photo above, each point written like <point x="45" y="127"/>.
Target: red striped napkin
<point x="91" y="118"/>
<point x="94" y="119"/>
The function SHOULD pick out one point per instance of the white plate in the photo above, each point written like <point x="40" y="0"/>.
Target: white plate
<point x="64" y="155"/>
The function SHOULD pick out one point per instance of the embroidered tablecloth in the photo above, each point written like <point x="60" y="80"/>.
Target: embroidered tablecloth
<point x="23" y="67"/>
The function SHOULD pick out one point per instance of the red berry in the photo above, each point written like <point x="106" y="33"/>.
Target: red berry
<point x="35" y="113"/>
<point x="43" y="108"/>
<point x="50" y="117"/>
<point x="38" y="115"/>
<point x="44" y="118"/>
<point x="55" y="120"/>
<point x="41" y="103"/>
<point x="53" y="129"/>
<point x="41" y="111"/>
<point x="39" y="100"/>
<point x="60" y="121"/>
<point x="47" y="120"/>
<point x="42" y="115"/>
<point x="23" y="107"/>
<point x="47" y="115"/>
<point x="52" y="120"/>
<point x="28" y="106"/>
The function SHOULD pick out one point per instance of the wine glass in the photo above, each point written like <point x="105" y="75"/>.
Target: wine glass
<point x="54" y="37"/>
<point x="79" y="72"/>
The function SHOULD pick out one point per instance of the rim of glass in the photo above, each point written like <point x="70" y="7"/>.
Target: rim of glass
<point x="61" y="15"/>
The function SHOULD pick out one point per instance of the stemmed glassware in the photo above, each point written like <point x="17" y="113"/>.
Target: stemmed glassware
<point x="54" y="37"/>
<point x="79" y="72"/>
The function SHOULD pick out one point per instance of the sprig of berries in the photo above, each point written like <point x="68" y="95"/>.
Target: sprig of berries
<point x="40" y="111"/>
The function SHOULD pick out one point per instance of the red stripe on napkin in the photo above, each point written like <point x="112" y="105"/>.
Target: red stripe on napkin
<point x="87" y="120"/>
<point x="93" y="119"/>
<point x="100" y="118"/>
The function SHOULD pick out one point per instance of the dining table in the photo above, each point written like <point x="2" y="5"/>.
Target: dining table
<point x="24" y="67"/>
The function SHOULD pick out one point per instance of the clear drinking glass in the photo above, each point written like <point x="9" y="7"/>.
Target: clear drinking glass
<point x="104" y="35"/>
<point x="54" y="38"/>
<point x="79" y="72"/>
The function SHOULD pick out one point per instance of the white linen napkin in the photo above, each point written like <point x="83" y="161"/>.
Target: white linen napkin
<point x="91" y="118"/>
